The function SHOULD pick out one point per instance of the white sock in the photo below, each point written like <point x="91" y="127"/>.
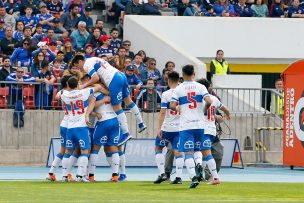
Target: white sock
<point x="190" y="165"/>
<point x="92" y="163"/>
<point x="122" y="119"/>
<point x="72" y="162"/>
<point x="198" y="158"/>
<point x="160" y="162"/>
<point x="65" y="163"/>
<point x="179" y="161"/>
<point x="55" y="164"/>
<point x="204" y="164"/>
<point x="134" y="109"/>
<point x="212" y="166"/>
<point x="83" y="163"/>
<point x="115" y="163"/>
<point x="109" y="159"/>
<point x="122" y="163"/>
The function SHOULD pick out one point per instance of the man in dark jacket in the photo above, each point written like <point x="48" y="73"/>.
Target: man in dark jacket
<point x="6" y="69"/>
<point x="151" y="8"/>
<point x="133" y="8"/>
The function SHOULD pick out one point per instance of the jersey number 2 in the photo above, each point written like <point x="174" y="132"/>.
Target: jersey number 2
<point x="190" y="98"/>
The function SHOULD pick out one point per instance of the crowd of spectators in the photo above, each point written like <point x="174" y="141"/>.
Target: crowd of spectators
<point x="224" y="8"/>
<point x="39" y="38"/>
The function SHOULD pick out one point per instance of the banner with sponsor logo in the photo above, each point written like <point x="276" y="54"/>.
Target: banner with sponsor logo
<point x="293" y="132"/>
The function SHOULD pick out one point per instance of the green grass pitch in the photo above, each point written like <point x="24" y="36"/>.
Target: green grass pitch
<point x="39" y="191"/>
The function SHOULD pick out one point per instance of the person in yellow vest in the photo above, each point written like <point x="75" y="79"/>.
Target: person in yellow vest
<point x="277" y="101"/>
<point x="219" y="66"/>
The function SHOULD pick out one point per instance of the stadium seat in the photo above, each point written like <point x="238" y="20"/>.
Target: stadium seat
<point x="28" y="96"/>
<point x="4" y="91"/>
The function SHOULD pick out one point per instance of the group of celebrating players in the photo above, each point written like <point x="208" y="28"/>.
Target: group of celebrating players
<point x="186" y="120"/>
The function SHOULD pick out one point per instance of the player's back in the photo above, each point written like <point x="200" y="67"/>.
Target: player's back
<point x="106" y="110"/>
<point x="103" y="69"/>
<point x="210" y="115"/>
<point x="171" y="121"/>
<point x="76" y="102"/>
<point x="190" y="95"/>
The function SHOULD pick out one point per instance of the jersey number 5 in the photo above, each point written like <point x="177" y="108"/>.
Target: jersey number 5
<point x="190" y="98"/>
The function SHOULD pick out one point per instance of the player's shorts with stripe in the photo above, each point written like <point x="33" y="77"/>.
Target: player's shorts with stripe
<point x="78" y="136"/>
<point x="190" y="140"/>
<point x="119" y="88"/>
<point x="172" y="137"/>
<point x="63" y="132"/>
<point x="207" y="141"/>
<point x="107" y="133"/>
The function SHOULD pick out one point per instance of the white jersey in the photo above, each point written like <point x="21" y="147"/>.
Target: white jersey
<point x="189" y="96"/>
<point x="64" y="122"/>
<point x="210" y="116"/>
<point x="76" y="102"/>
<point x="100" y="67"/>
<point x="106" y="110"/>
<point x="171" y="121"/>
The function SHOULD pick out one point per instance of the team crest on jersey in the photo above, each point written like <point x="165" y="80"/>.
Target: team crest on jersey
<point x="69" y="143"/>
<point x="104" y="140"/>
<point x="119" y="96"/>
<point x="82" y="143"/>
<point x="189" y="145"/>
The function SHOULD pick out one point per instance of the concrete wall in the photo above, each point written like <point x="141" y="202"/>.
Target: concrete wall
<point x="254" y="39"/>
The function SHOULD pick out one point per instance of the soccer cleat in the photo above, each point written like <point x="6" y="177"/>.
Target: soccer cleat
<point x="122" y="177"/>
<point x="194" y="183"/>
<point x="160" y="179"/>
<point x="70" y="178"/>
<point x="81" y="179"/>
<point x="51" y="177"/>
<point x="176" y="181"/>
<point x="199" y="172"/>
<point x="141" y="127"/>
<point x="114" y="179"/>
<point x="65" y="179"/>
<point x="168" y="174"/>
<point x="215" y="181"/>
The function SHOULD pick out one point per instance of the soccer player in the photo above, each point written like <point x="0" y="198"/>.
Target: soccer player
<point x="209" y="137"/>
<point x="107" y="133"/>
<point x="168" y="124"/>
<point x="116" y="81"/>
<point x="76" y="102"/>
<point x="63" y="129"/>
<point x="189" y="95"/>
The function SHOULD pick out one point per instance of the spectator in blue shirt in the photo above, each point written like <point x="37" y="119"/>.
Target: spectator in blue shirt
<point x="115" y="42"/>
<point x="151" y="8"/>
<point x="22" y="56"/>
<point x="44" y="18"/>
<point x="28" y="19"/>
<point x="295" y="11"/>
<point x="2" y="30"/>
<point x="132" y="77"/>
<point x="277" y="9"/>
<point x="223" y="8"/>
<point x="79" y="37"/>
<point x="16" y="89"/>
<point x="242" y="9"/>
<point x="18" y="33"/>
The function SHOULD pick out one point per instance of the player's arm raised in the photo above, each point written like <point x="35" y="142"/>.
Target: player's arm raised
<point x="94" y="79"/>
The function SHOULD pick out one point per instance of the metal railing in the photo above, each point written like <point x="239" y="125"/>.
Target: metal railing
<point x="250" y="109"/>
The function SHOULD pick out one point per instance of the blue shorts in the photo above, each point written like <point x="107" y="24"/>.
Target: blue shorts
<point x="118" y="88"/>
<point x="190" y="140"/>
<point x="63" y="132"/>
<point x="107" y="133"/>
<point x="172" y="137"/>
<point x="78" y="136"/>
<point x="91" y="133"/>
<point x="207" y="141"/>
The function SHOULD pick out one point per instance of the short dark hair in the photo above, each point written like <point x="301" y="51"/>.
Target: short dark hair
<point x="165" y="70"/>
<point x="120" y="48"/>
<point x="188" y="70"/>
<point x="173" y="76"/>
<point x="204" y="82"/>
<point x="77" y="58"/>
<point x="72" y="6"/>
<point x="51" y="28"/>
<point x="114" y="29"/>
<point x="277" y="80"/>
<point x="85" y="77"/>
<point x="64" y="80"/>
<point x="219" y="51"/>
<point x="38" y="25"/>
<point x="44" y="64"/>
<point x="73" y="82"/>
<point x="167" y="64"/>
<point x="5" y="57"/>
<point x="28" y="6"/>
<point x="27" y="28"/>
